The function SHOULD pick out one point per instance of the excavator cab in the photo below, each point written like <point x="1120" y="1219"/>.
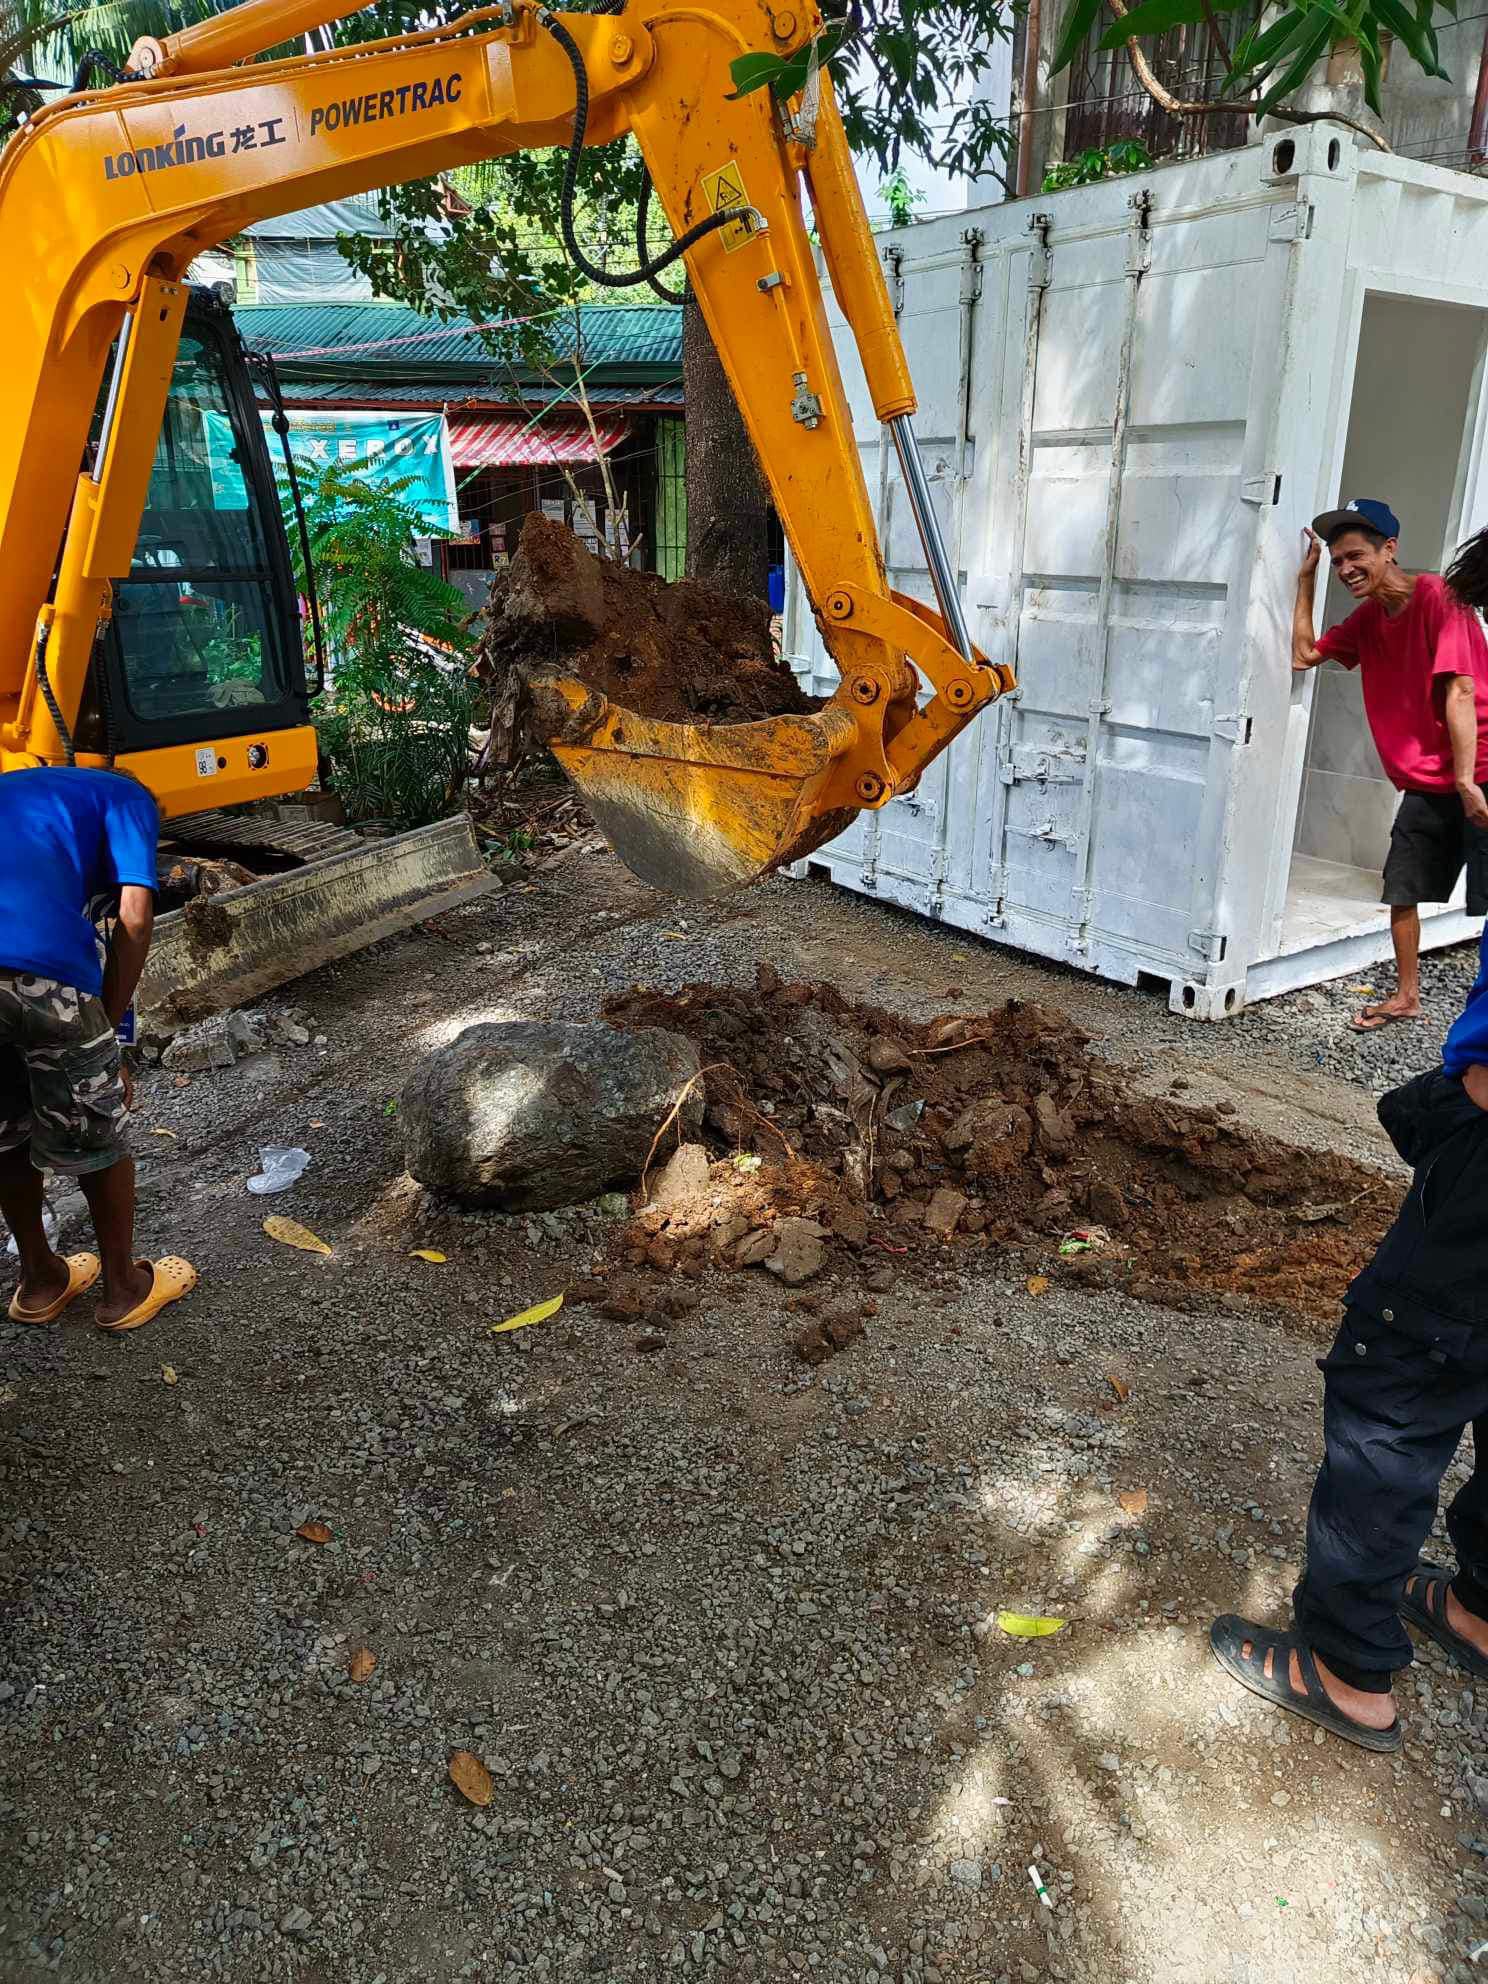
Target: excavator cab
<point x="203" y="643"/>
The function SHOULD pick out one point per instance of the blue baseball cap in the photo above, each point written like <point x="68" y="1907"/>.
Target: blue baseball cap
<point x="1365" y="510"/>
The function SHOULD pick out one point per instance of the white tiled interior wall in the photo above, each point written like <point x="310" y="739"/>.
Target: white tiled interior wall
<point x="1407" y="429"/>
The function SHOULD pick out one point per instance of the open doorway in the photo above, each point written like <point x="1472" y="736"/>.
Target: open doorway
<point x="1416" y="381"/>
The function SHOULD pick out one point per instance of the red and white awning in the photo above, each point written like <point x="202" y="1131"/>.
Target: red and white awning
<point x="516" y="442"/>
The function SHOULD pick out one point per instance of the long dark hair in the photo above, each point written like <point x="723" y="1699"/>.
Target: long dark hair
<point x="1467" y="574"/>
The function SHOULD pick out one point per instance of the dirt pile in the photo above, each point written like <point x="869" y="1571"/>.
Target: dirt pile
<point x="682" y="652"/>
<point x="840" y="1133"/>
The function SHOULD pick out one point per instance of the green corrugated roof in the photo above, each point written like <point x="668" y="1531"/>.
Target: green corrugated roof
<point x="456" y="394"/>
<point x="361" y="339"/>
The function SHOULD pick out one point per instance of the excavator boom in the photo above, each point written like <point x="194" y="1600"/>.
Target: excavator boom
<point x="106" y="198"/>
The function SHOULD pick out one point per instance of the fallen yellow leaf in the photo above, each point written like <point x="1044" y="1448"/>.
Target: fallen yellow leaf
<point x="363" y="1662"/>
<point x="677" y="936"/>
<point x="470" y="1777"/>
<point x="1119" y="1385"/>
<point x="1028" y="1626"/>
<point x="1038" y="1284"/>
<point x="427" y="1254"/>
<point x="538" y="1314"/>
<point x="290" y="1233"/>
<point x="168" y="1373"/>
<point x="165" y="1133"/>
<point x="314" y="1532"/>
<point x="1134" y="1501"/>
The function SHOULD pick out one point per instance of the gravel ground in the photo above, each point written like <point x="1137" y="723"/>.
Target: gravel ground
<point x="721" y="1628"/>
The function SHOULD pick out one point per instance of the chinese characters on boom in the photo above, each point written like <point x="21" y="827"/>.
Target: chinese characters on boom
<point x="373" y="107"/>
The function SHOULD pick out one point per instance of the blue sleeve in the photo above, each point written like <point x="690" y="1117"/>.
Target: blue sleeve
<point x="131" y="831"/>
<point x="1467" y="1044"/>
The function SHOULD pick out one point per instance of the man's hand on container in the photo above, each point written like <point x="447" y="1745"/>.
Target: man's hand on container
<point x="1475" y="1081"/>
<point x="1304" y="648"/>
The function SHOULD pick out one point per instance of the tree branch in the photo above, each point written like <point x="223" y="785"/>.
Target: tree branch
<point x="1220" y="47"/>
<point x="1164" y="98"/>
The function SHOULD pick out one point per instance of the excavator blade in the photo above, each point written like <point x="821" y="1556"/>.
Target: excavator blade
<point x="221" y="951"/>
<point x="698" y="809"/>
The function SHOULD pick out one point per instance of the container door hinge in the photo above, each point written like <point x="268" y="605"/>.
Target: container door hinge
<point x="1261" y="489"/>
<point x="1040" y="259"/>
<point x="894" y="269"/>
<point x="1236" y="728"/>
<point x="1292" y="222"/>
<point x="1139" y="241"/>
<point x="971" y="269"/>
<point x="1208" y="944"/>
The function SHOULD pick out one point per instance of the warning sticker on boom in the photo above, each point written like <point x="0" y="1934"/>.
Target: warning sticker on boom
<point x="723" y="189"/>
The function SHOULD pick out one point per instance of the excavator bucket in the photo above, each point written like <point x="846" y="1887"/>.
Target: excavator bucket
<point x="699" y="809"/>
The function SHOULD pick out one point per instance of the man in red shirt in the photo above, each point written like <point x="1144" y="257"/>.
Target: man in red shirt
<point x="1423" y="663"/>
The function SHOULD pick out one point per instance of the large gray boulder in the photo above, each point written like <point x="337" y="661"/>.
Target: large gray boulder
<point x="532" y="1114"/>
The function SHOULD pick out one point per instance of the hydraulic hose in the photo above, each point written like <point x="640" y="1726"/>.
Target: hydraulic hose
<point x="643" y="210"/>
<point x="648" y="270"/>
<point x="54" y="708"/>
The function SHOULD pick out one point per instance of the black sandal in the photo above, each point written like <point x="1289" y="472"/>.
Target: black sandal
<point x="1226" y="1638"/>
<point x="1426" y="1609"/>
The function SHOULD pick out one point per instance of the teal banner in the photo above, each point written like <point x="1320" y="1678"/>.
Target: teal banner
<point x="382" y="448"/>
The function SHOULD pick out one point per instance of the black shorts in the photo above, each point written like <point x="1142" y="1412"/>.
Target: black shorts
<point x="1430" y="844"/>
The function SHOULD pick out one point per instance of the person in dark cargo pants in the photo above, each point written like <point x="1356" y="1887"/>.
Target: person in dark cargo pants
<point x="1407" y="1373"/>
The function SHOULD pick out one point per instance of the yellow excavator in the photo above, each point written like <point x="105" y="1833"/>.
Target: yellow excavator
<point x="147" y="609"/>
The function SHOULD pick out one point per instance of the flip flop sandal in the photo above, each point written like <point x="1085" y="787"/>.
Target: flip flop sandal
<point x="1426" y="1609"/>
<point x="1226" y="1638"/>
<point x="171" y="1278"/>
<point x="1367" y="1022"/>
<point x="82" y="1272"/>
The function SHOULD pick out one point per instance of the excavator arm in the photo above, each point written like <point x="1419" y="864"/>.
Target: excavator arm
<point x="107" y="197"/>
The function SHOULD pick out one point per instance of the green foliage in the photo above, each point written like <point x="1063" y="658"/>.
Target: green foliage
<point x="784" y="75"/>
<point x="1103" y="162"/>
<point x="395" y="720"/>
<point x="900" y="197"/>
<point x="1269" y="62"/>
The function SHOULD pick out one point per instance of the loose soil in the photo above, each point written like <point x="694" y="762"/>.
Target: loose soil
<point x="682" y="653"/>
<point x="1000" y="1131"/>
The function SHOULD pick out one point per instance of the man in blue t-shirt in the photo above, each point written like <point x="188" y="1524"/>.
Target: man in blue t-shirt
<point x="68" y="837"/>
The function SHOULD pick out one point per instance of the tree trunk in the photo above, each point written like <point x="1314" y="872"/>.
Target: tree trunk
<point x="727" y="506"/>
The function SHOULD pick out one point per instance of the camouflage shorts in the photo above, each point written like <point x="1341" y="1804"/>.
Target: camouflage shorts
<point x="61" y="1089"/>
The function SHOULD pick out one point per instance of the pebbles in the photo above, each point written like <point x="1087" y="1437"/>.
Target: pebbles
<point x="711" y="1619"/>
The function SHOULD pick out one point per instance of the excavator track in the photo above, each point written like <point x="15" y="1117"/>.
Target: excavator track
<point x="289" y="837"/>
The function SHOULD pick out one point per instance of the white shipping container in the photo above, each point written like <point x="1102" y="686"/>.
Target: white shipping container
<point x="1132" y="396"/>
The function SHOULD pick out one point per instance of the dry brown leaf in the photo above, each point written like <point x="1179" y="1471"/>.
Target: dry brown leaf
<point x="168" y="1374"/>
<point x="470" y="1777"/>
<point x="363" y="1662"/>
<point x="1119" y="1385"/>
<point x="314" y="1532"/>
<point x="1038" y="1284"/>
<point x="1134" y="1501"/>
